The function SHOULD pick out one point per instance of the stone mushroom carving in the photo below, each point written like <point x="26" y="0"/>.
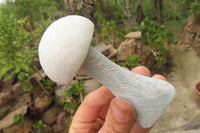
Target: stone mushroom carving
<point x="65" y="48"/>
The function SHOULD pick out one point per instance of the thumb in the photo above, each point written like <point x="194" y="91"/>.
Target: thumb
<point x="120" y="117"/>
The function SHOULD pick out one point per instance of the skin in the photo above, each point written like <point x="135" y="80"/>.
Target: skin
<point x="102" y="112"/>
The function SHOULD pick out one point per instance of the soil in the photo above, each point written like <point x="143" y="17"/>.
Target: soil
<point x="184" y="76"/>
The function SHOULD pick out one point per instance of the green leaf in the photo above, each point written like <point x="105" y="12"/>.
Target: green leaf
<point x="19" y="119"/>
<point x="38" y="125"/>
<point x="68" y="105"/>
<point x="132" y="61"/>
<point x="23" y="77"/>
<point x="68" y="92"/>
<point x="27" y="87"/>
<point x="48" y="83"/>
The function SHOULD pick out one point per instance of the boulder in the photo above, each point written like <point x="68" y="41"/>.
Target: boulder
<point x="134" y="35"/>
<point x="57" y="128"/>
<point x="61" y="117"/>
<point x="46" y="129"/>
<point x="191" y="30"/>
<point x="43" y="102"/>
<point x="5" y="96"/>
<point x="91" y="85"/>
<point x="126" y="49"/>
<point x="4" y="111"/>
<point x="192" y="24"/>
<point x="18" y="89"/>
<point x="8" y="120"/>
<point x="104" y="49"/>
<point x="113" y="51"/>
<point x="50" y="116"/>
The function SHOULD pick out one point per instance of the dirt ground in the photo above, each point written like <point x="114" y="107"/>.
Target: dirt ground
<point x="185" y="106"/>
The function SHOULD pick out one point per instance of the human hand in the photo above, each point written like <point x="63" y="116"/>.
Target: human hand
<point x="102" y="112"/>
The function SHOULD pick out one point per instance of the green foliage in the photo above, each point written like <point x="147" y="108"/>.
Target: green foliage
<point x="35" y="9"/>
<point x="132" y="61"/>
<point x="105" y="8"/>
<point x="27" y="87"/>
<point x="15" y="55"/>
<point x="38" y="125"/>
<point x="75" y="89"/>
<point x="110" y="33"/>
<point x="108" y="29"/>
<point x="48" y="83"/>
<point x="195" y="7"/>
<point x="74" y="97"/>
<point x="19" y="119"/>
<point x="23" y="77"/>
<point x="20" y="32"/>
<point x="158" y="38"/>
<point x="159" y="60"/>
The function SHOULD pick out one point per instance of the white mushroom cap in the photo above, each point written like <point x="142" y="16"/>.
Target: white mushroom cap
<point x="64" y="46"/>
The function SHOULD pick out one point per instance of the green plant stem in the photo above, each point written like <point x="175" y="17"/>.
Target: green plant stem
<point x="42" y="86"/>
<point x="37" y="71"/>
<point x="81" y="96"/>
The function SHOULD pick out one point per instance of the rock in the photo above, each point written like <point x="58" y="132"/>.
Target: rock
<point x="104" y="49"/>
<point x="191" y="30"/>
<point x="25" y="100"/>
<point x="134" y="35"/>
<point x="19" y="129"/>
<point x="91" y="85"/>
<point x="8" y="120"/>
<point x="18" y="89"/>
<point x="192" y="24"/>
<point x="61" y="117"/>
<point x="113" y="51"/>
<point x="4" y="111"/>
<point x="47" y="129"/>
<point x="57" y="128"/>
<point x="12" y="129"/>
<point x="42" y="102"/>
<point x="5" y="96"/>
<point x="50" y="116"/>
<point x="126" y="49"/>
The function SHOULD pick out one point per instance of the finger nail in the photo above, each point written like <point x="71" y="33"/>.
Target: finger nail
<point x="119" y="109"/>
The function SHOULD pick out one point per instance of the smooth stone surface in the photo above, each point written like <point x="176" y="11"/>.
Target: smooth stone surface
<point x="50" y="116"/>
<point x="102" y="48"/>
<point x="42" y="103"/>
<point x="8" y="120"/>
<point x="134" y="35"/>
<point x="91" y="85"/>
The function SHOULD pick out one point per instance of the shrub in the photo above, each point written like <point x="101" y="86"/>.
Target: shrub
<point x="132" y="61"/>
<point x="16" y="54"/>
<point x="158" y="39"/>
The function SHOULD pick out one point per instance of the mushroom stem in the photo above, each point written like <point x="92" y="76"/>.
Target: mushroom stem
<point x="149" y="96"/>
